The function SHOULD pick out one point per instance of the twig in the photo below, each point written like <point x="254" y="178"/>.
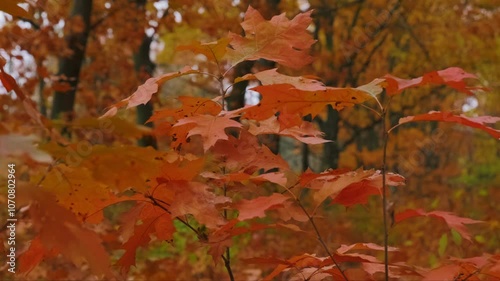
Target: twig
<point x="384" y="191"/>
<point x="318" y="234"/>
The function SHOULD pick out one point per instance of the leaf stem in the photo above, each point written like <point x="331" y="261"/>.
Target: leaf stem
<point x="318" y="234"/>
<point x="384" y="190"/>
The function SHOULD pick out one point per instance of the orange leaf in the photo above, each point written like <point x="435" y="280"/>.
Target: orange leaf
<point x="246" y="154"/>
<point x="255" y="208"/>
<point x="144" y="92"/>
<point x="59" y="229"/>
<point x="454" y="222"/>
<point x="452" y="77"/>
<point x="474" y="122"/>
<point x="305" y="133"/>
<point x="284" y="41"/>
<point x="288" y="99"/>
<point x="190" y="107"/>
<point x="210" y="128"/>
<point x="271" y="76"/>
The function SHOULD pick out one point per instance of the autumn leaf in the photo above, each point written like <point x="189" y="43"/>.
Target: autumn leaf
<point x="256" y="207"/>
<point x="59" y="229"/>
<point x="144" y="92"/>
<point x="473" y="122"/>
<point x="284" y="41"/>
<point x="305" y="133"/>
<point x="210" y="128"/>
<point x="190" y="106"/>
<point x="271" y="77"/>
<point x="359" y="192"/>
<point x="155" y="220"/>
<point x="453" y="222"/>
<point x="288" y="99"/>
<point x="246" y="154"/>
<point x="452" y="77"/>
<point x="332" y="188"/>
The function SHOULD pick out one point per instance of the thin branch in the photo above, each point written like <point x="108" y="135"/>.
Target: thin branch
<point x="384" y="191"/>
<point x="318" y="234"/>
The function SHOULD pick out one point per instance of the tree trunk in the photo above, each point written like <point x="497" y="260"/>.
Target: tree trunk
<point x="69" y="67"/>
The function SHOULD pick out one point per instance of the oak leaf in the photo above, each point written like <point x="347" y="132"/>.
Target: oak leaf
<point x="288" y="99"/>
<point x="60" y="230"/>
<point x="453" y="221"/>
<point x="272" y="76"/>
<point x="246" y="154"/>
<point x="210" y="128"/>
<point x="474" y="122"/>
<point x="284" y="41"/>
<point x="145" y="91"/>
<point x="256" y="207"/>
<point x="305" y="133"/>
<point x="452" y="77"/>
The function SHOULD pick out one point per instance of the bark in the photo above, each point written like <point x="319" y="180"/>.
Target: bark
<point x="69" y="67"/>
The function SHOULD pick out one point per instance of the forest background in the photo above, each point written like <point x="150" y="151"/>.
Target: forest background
<point x="72" y="60"/>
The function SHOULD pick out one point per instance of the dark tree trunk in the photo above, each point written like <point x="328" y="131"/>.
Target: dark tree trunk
<point x="143" y="64"/>
<point x="69" y="67"/>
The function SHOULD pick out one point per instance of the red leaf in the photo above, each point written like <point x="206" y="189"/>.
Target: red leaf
<point x="284" y="41"/>
<point x="358" y="193"/>
<point x="452" y="77"/>
<point x="454" y="222"/>
<point x="246" y="154"/>
<point x="474" y="122"/>
<point x="155" y="220"/>
<point x="334" y="187"/>
<point x="255" y="208"/>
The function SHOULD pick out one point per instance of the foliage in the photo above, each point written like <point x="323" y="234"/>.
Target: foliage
<point x="218" y="182"/>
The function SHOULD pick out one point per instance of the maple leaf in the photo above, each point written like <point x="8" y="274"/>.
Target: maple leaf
<point x="60" y="230"/>
<point x="288" y="99"/>
<point x="454" y="222"/>
<point x="305" y="133"/>
<point x="271" y="77"/>
<point x="284" y="41"/>
<point x="474" y="122"/>
<point x="210" y="128"/>
<point x="452" y="77"/>
<point x="144" y="92"/>
<point x="255" y="208"/>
